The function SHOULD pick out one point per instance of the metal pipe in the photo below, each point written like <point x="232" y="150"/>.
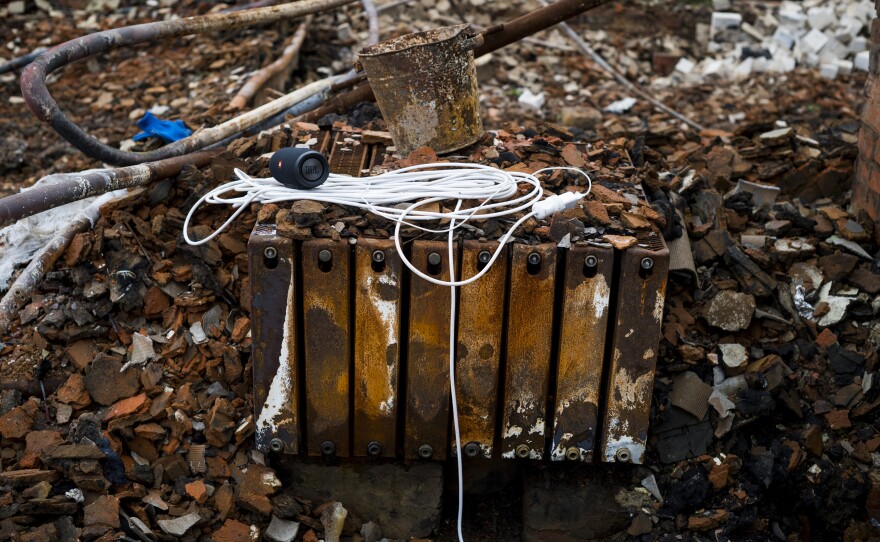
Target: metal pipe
<point x="41" y="103"/>
<point x="494" y="38"/>
<point x="21" y="61"/>
<point x="70" y="187"/>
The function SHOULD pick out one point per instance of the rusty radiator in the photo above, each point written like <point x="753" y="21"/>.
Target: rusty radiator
<point x="556" y="349"/>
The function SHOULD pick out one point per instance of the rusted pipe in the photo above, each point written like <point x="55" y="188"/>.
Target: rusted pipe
<point x="41" y="103"/>
<point x="21" y="61"/>
<point x="494" y="38"/>
<point x="71" y="187"/>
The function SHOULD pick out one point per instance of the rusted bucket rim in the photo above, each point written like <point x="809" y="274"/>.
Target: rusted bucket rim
<point x="420" y="39"/>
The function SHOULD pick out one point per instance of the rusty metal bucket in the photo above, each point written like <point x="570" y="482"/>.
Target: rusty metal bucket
<point x="426" y="86"/>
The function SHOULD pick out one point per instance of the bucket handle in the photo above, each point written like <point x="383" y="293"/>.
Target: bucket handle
<point x="473" y="42"/>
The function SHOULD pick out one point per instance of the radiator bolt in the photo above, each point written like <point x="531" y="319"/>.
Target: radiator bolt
<point x="623" y="455"/>
<point x="472" y="449"/>
<point x="647" y="264"/>
<point x="523" y="450"/>
<point x="328" y="448"/>
<point x="276" y="445"/>
<point x="591" y="261"/>
<point x="534" y="258"/>
<point x="483" y="257"/>
<point x="325" y="256"/>
<point x="573" y="454"/>
<point x="270" y="253"/>
<point x="374" y="448"/>
<point x="378" y="256"/>
<point x="434" y="258"/>
<point x="425" y="451"/>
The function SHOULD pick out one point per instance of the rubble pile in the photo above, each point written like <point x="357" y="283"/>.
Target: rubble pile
<point x="767" y="394"/>
<point x="832" y="38"/>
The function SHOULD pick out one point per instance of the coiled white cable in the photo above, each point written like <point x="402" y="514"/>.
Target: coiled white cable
<point x="497" y="190"/>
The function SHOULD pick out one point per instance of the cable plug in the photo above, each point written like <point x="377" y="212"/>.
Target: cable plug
<point x="556" y="203"/>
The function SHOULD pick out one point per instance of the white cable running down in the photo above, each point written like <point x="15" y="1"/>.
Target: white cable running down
<point x="497" y="191"/>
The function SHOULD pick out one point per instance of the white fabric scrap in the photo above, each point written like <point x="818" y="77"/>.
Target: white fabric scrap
<point x="21" y="240"/>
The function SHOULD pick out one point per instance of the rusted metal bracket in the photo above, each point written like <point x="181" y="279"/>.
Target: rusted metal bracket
<point x="274" y="318"/>
<point x="587" y="302"/>
<point x="480" y="335"/>
<point x="639" y="314"/>
<point x="378" y="300"/>
<point x="529" y="333"/>
<point x="427" y="375"/>
<point x="327" y="337"/>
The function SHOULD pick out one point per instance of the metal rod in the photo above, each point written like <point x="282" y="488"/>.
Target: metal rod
<point x="21" y="61"/>
<point x="70" y="187"/>
<point x="629" y="85"/>
<point x="41" y="103"/>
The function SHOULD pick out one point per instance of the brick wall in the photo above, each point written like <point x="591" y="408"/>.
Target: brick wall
<point x="866" y="187"/>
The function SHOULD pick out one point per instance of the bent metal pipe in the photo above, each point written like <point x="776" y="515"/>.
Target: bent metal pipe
<point x="39" y="100"/>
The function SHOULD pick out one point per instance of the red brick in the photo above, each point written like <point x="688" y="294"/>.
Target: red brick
<point x="873" y="183"/>
<point x="863" y="170"/>
<point x="826" y="338"/>
<point x="867" y="140"/>
<point x="871" y="116"/>
<point x="125" y="407"/>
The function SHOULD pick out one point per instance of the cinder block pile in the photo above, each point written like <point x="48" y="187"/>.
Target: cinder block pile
<point x="832" y="37"/>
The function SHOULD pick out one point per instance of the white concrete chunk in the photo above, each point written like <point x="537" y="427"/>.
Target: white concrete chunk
<point x="814" y="41"/>
<point x="862" y="60"/>
<point x="828" y="71"/>
<point x="821" y="18"/>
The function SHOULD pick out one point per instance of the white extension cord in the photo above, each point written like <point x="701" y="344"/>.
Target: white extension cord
<point x="497" y="191"/>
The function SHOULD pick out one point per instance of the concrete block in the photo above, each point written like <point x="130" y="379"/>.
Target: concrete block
<point x="685" y="65"/>
<point x="744" y="69"/>
<point x="784" y="37"/>
<point x="721" y="5"/>
<point x="821" y="17"/>
<point x="844" y="67"/>
<point x="849" y="26"/>
<point x="16" y="7"/>
<point x="726" y="19"/>
<point x="814" y="41"/>
<point x="584" y="502"/>
<point x="792" y="14"/>
<point x="828" y="71"/>
<point x="833" y="51"/>
<point x="714" y="66"/>
<point x="858" y="44"/>
<point x="861" y="61"/>
<point x="405" y="501"/>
